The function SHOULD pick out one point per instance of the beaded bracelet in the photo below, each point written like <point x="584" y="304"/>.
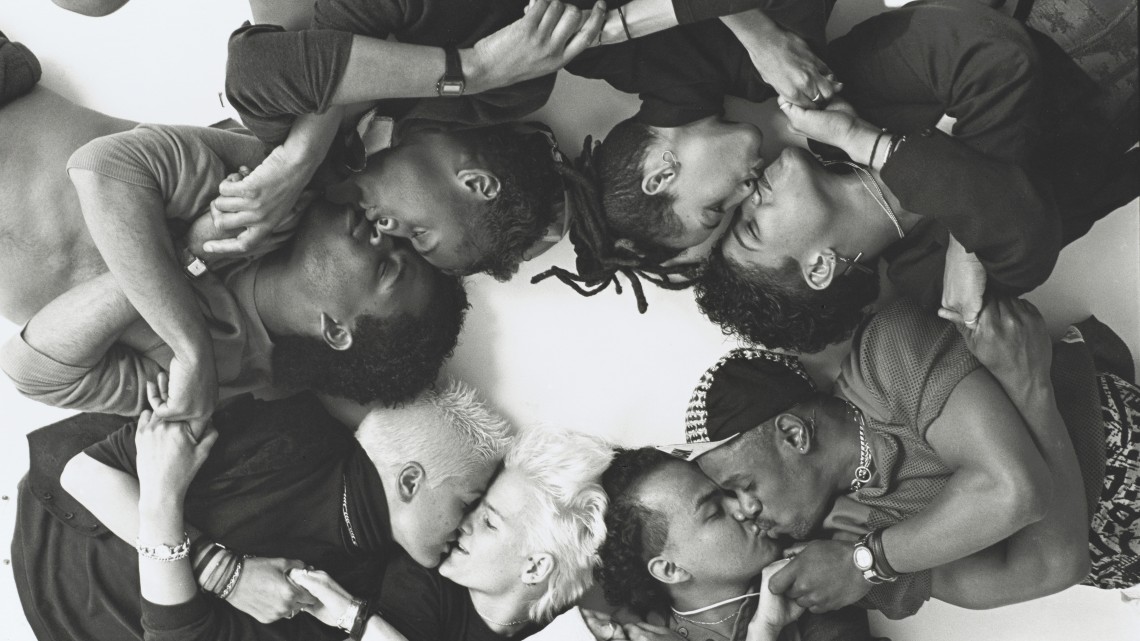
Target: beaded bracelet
<point x="164" y="552"/>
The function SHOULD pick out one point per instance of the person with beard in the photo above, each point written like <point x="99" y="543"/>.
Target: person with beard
<point x="336" y="306"/>
<point x="675" y="554"/>
<point x="284" y="482"/>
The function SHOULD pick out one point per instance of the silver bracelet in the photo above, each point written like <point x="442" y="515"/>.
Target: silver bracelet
<point x="226" y="591"/>
<point x="348" y="617"/>
<point x="164" y="552"/>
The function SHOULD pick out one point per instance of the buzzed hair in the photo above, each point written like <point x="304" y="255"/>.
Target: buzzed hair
<point x="449" y="431"/>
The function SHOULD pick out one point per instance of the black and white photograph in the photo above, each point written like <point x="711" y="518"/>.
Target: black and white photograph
<point x="598" y="320"/>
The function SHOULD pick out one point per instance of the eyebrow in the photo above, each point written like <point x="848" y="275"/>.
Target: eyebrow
<point x="487" y="504"/>
<point x="706" y="498"/>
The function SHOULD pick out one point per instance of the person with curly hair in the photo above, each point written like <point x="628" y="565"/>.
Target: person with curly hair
<point x="135" y="205"/>
<point x="524" y="555"/>
<point x="980" y="467"/>
<point x="986" y="210"/>
<point x="676" y="555"/>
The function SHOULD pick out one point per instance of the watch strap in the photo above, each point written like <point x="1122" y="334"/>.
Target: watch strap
<point x="452" y="83"/>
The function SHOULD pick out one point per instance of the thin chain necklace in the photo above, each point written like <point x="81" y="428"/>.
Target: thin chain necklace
<point x="707" y="627"/>
<point x="344" y="511"/>
<point x="685" y="618"/>
<point x="877" y="194"/>
<point x="863" y="472"/>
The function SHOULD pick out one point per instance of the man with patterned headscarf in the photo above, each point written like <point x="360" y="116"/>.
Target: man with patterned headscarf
<point x="925" y="473"/>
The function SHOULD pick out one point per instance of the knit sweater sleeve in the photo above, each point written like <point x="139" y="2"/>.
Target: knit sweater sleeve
<point x="114" y="385"/>
<point x="184" y="164"/>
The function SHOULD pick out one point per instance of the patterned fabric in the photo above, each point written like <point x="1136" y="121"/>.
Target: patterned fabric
<point x="1114" y="534"/>
<point x="751" y="385"/>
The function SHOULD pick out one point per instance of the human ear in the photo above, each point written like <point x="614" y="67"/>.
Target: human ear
<point x="537" y="568"/>
<point x="410" y="480"/>
<point x="657" y="180"/>
<point x="820" y="270"/>
<point x="667" y="571"/>
<point x="480" y="182"/>
<point x="336" y="334"/>
<point x="794" y="432"/>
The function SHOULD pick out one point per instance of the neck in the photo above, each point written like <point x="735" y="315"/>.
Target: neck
<point x="845" y="436"/>
<point x="275" y="298"/>
<point x="504" y="613"/>
<point x="688" y="597"/>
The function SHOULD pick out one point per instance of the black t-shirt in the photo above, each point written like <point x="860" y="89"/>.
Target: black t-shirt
<point x="424" y="606"/>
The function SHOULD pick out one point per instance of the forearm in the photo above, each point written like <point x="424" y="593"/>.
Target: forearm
<point x="80" y="325"/>
<point x="128" y="225"/>
<point x="309" y="141"/>
<point x="377" y="629"/>
<point x="110" y="494"/>
<point x="642" y="17"/>
<point x="998" y="483"/>
<point x="160" y="522"/>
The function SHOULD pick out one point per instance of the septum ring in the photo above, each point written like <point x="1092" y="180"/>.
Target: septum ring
<point x="818" y="96"/>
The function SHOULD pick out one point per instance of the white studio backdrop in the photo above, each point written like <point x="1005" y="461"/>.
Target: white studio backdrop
<point x="540" y="353"/>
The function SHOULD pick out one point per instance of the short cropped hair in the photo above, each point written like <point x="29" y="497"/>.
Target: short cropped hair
<point x="449" y="431"/>
<point x="647" y="220"/>
<point x="776" y="308"/>
<point x="636" y="534"/>
<point x="563" y="470"/>
<point x="391" y="359"/>
<point x="529" y="186"/>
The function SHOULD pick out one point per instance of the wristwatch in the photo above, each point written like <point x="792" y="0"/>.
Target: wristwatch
<point x="867" y="563"/>
<point x="193" y="265"/>
<point x="451" y="84"/>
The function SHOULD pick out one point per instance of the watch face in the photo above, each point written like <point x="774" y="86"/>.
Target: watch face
<point x="864" y="560"/>
<point x="451" y="88"/>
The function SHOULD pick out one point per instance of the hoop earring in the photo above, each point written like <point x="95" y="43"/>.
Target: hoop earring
<point x="670" y="159"/>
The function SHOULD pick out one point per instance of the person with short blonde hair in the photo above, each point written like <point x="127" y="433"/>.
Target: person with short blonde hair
<point x="285" y="482"/>
<point x="524" y="555"/>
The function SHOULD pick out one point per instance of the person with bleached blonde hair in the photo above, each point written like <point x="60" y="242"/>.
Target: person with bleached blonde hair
<point x="524" y="555"/>
<point x="283" y="482"/>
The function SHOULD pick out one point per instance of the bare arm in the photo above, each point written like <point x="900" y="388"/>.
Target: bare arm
<point x="541" y="42"/>
<point x="999" y="482"/>
<point x="128" y="223"/>
<point x="113" y="496"/>
<point x="79" y="351"/>
<point x="783" y="60"/>
<point x="1051" y="554"/>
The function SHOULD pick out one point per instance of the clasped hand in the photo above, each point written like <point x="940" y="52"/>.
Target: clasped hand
<point x="550" y="35"/>
<point x="821" y="577"/>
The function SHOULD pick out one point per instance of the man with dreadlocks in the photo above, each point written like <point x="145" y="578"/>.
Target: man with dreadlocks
<point x="682" y="76"/>
<point x="665" y="188"/>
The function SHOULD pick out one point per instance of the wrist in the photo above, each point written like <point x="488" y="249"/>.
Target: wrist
<point x="860" y="143"/>
<point x="476" y="73"/>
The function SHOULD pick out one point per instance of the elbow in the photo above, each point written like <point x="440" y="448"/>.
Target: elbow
<point x="76" y="476"/>
<point x="91" y="8"/>
<point x="1024" y="497"/>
